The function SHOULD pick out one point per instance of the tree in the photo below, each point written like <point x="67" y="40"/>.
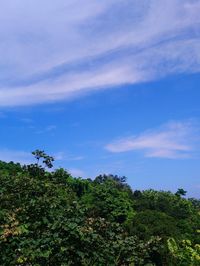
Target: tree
<point x="47" y="160"/>
<point x="51" y="218"/>
<point x="180" y="192"/>
<point x="38" y="169"/>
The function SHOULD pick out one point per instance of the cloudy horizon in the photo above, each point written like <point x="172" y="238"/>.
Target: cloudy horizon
<point x="105" y="87"/>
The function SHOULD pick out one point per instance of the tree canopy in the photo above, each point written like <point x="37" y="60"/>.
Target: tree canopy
<point x="52" y="218"/>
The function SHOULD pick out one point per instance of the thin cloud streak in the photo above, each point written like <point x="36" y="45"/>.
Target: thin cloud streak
<point x="22" y="157"/>
<point x="77" y="172"/>
<point x="61" y="50"/>
<point x="25" y="157"/>
<point x="174" y="140"/>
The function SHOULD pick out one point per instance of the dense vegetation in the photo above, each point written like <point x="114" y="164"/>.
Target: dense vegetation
<point x="51" y="218"/>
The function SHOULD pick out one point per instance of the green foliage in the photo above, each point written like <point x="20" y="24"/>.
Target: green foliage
<point x="150" y="222"/>
<point x="47" y="160"/>
<point x="109" y="199"/>
<point x="184" y="253"/>
<point x="180" y="192"/>
<point x="51" y="218"/>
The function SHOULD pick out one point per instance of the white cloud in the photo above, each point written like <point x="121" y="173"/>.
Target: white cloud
<point x="76" y="172"/>
<point x="22" y="157"/>
<point x="62" y="156"/>
<point x="27" y="120"/>
<point x="57" y="50"/>
<point x="173" y="140"/>
<point x="66" y="87"/>
<point x="47" y="129"/>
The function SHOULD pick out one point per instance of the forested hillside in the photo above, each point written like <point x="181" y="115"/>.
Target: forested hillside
<point x="52" y="218"/>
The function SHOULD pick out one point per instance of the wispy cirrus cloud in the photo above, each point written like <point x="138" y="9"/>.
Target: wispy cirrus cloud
<point x="58" y="50"/>
<point x="173" y="140"/>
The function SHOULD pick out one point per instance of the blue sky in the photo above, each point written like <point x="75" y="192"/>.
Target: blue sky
<point x="105" y="86"/>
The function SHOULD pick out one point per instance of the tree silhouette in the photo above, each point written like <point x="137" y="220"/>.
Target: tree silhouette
<point x="47" y="160"/>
